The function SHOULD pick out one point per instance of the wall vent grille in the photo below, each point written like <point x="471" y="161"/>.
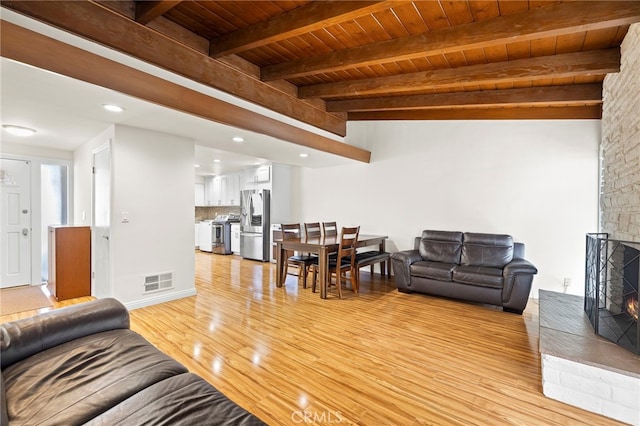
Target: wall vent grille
<point x="158" y="282"/>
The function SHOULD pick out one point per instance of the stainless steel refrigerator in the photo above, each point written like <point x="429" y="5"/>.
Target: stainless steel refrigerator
<point x="255" y="224"/>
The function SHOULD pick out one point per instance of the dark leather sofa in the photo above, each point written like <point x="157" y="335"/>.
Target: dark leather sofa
<point x="83" y="365"/>
<point x="483" y="268"/>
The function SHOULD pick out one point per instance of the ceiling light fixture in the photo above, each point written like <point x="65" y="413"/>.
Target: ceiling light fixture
<point x="238" y="139"/>
<point x="303" y="155"/>
<point x="216" y="161"/>
<point x="19" y="130"/>
<point x="196" y="165"/>
<point x="112" y="108"/>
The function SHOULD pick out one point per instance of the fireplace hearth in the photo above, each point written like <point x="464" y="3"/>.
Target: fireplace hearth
<point x="611" y="289"/>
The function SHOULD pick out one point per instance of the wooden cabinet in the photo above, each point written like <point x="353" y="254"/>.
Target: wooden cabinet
<point x="69" y="261"/>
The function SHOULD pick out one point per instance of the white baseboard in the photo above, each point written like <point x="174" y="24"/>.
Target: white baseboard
<point x="160" y="298"/>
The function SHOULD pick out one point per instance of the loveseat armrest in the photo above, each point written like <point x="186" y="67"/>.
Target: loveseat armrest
<point x="402" y="261"/>
<point x="518" y="276"/>
<point x="519" y="266"/>
<point x="23" y="338"/>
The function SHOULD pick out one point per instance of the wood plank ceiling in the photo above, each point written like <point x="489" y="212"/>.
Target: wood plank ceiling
<point x="324" y="62"/>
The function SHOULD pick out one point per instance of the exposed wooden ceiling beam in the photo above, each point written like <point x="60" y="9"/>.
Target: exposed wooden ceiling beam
<point x="37" y="50"/>
<point x="556" y="20"/>
<point x="89" y="19"/>
<point x="593" y="112"/>
<point x="312" y="17"/>
<point x="147" y="11"/>
<point x="582" y="94"/>
<point x="594" y="62"/>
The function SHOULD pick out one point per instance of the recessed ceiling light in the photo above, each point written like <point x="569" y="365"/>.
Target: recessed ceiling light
<point x="196" y="165"/>
<point x="303" y="155"/>
<point x="238" y="139"/>
<point x="216" y="161"/>
<point x="112" y="108"/>
<point x="18" y="130"/>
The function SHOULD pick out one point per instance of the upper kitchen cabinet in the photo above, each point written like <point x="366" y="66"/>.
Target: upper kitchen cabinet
<point x="223" y="190"/>
<point x="231" y="189"/>
<point x="257" y="178"/>
<point x="199" y="194"/>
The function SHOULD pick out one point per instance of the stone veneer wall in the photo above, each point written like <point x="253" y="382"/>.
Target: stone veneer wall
<point x="620" y="149"/>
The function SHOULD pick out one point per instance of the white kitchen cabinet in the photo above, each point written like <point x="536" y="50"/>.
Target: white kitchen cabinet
<point x="235" y="238"/>
<point x="199" y="194"/>
<point x="223" y="190"/>
<point x="257" y="178"/>
<point x="231" y="189"/>
<point x="213" y="191"/>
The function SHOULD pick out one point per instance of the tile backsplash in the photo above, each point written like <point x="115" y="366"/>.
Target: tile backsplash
<point x="210" y="212"/>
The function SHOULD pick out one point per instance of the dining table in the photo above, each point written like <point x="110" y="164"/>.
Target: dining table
<point x="322" y="246"/>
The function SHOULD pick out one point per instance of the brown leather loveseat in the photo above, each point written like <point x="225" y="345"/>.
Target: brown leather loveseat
<point x="82" y="364"/>
<point x="483" y="268"/>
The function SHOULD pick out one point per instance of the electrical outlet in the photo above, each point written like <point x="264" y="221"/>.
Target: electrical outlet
<point x="567" y="282"/>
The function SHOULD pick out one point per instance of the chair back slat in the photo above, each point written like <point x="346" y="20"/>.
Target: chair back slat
<point x="347" y="247"/>
<point x="312" y="230"/>
<point x="290" y="231"/>
<point x="329" y="229"/>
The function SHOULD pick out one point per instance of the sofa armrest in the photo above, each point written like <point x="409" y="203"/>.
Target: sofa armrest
<point x="401" y="261"/>
<point x="23" y="338"/>
<point x="519" y="266"/>
<point x="518" y="277"/>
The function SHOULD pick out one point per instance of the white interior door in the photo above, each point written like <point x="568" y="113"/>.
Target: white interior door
<point x="15" y="189"/>
<point x="101" y="234"/>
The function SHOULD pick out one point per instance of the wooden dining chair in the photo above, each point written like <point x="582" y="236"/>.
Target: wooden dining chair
<point x="344" y="262"/>
<point x="329" y="229"/>
<point x="302" y="261"/>
<point x="312" y="229"/>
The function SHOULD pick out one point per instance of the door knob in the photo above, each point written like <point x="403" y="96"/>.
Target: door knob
<point x="25" y="231"/>
<point x="25" y="211"/>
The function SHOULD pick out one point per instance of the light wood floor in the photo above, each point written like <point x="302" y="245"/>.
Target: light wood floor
<point x="377" y="358"/>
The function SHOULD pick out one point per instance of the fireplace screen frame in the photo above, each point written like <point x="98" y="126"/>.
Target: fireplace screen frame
<point x="611" y="287"/>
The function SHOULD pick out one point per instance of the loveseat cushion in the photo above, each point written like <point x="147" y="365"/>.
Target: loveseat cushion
<point x="73" y="382"/>
<point x="433" y="270"/>
<point x="490" y="250"/>
<point x="478" y="275"/>
<point x="185" y="399"/>
<point x="441" y="246"/>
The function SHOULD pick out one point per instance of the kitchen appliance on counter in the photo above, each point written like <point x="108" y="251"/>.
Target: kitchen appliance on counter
<point x="215" y="234"/>
<point x="255" y="205"/>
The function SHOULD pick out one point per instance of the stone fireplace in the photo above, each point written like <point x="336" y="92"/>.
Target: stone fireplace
<point x="611" y="289"/>
<point x="581" y="368"/>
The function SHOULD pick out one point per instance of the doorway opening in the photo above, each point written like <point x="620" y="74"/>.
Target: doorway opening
<point x="54" y="202"/>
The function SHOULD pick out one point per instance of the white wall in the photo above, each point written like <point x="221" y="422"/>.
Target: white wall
<point x="153" y="181"/>
<point x="82" y="165"/>
<point x="35" y="151"/>
<point x="39" y="156"/>
<point x="535" y="180"/>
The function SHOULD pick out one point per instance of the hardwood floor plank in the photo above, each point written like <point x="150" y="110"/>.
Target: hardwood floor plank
<point x="378" y="357"/>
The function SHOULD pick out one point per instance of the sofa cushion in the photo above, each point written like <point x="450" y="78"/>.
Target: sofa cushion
<point x="4" y="419"/>
<point x="478" y="275"/>
<point x="433" y="270"/>
<point x="490" y="250"/>
<point x="73" y="382"/>
<point x="185" y="399"/>
<point x="441" y="246"/>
